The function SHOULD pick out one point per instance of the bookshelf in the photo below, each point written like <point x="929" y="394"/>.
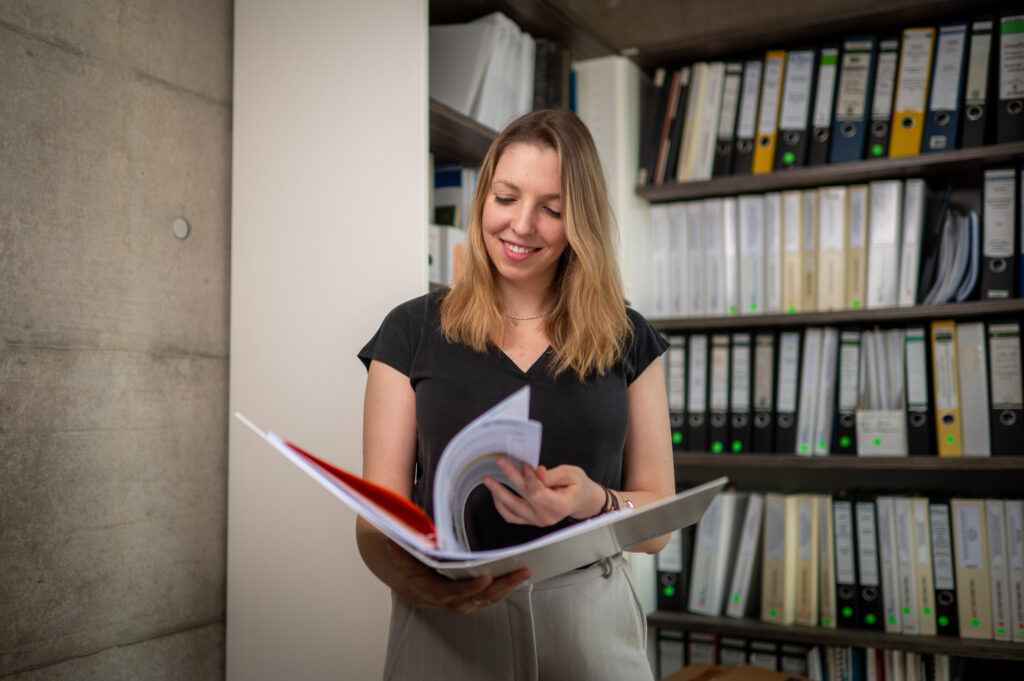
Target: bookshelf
<point x="666" y="33"/>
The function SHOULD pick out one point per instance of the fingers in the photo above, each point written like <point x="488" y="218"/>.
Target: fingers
<point x="498" y="590"/>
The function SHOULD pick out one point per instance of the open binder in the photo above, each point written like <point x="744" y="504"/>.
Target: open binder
<point x="560" y="551"/>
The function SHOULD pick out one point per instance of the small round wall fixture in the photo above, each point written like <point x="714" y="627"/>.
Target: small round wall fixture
<point x="181" y="228"/>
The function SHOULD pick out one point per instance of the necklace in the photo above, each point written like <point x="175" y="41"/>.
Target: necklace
<point x="516" y="320"/>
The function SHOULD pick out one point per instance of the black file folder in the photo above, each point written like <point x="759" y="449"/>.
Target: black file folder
<point x="845" y="542"/>
<point x="675" y="384"/>
<point x="884" y="82"/>
<point x="1000" y="250"/>
<point x="1006" y="421"/>
<point x="943" y="568"/>
<point x="697" y="394"/>
<point x="741" y="366"/>
<point x="788" y="395"/>
<point x="824" y="105"/>
<point x="844" y="439"/>
<point x="982" y="74"/>
<point x="746" y="121"/>
<point x="794" y="126"/>
<point x="678" y="125"/>
<point x="672" y="566"/>
<point x="1010" y="110"/>
<point x="869" y="574"/>
<point x="920" y="416"/>
<point x="725" y="138"/>
<point x="763" y="406"/>
<point x="718" y="394"/>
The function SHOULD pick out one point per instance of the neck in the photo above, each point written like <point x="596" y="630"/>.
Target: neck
<point x="521" y="302"/>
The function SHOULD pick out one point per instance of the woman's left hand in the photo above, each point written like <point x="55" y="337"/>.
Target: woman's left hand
<point x="546" y="495"/>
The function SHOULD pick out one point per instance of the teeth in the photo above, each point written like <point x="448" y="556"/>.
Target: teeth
<point x="519" y="249"/>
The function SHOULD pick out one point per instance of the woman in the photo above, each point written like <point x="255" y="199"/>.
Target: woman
<point x="540" y="302"/>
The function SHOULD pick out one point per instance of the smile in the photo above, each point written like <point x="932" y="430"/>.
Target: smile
<point x="518" y="250"/>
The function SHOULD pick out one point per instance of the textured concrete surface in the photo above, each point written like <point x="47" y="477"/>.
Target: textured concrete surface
<point x="115" y="120"/>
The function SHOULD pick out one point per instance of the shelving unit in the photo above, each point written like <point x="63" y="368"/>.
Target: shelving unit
<point x="663" y="33"/>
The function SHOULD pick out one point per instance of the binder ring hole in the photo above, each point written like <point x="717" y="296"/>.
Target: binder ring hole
<point x="696" y="420"/>
<point x="1015" y="107"/>
<point x="917" y="419"/>
<point x="744" y="145"/>
<point x="669" y="578"/>
<point x="821" y="134"/>
<point x="997" y="265"/>
<point x="786" y="420"/>
<point x="723" y="147"/>
<point x="1007" y="417"/>
<point x="765" y="141"/>
<point x="718" y="420"/>
<point x="942" y="117"/>
<point x="792" y="137"/>
<point x="870" y="593"/>
<point x="973" y="112"/>
<point x="944" y="598"/>
<point x="739" y="420"/>
<point x="948" y="419"/>
<point x="848" y="130"/>
<point x="907" y="122"/>
<point x="846" y="420"/>
<point x="676" y="420"/>
<point x="879" y="129"/>
<point x="761" y="420"/>
<point x="846" y="593"/>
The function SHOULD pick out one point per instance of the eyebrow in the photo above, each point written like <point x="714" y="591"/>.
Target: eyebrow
<point x="513" y="186"/>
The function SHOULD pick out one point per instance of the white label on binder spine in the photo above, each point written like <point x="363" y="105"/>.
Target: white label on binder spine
<point x="826" y="87"/>
<point x="740" y="398"/>
<point x="763" y="380"/>
<point x="805" y="516"/>
<point x="774" y="527"/>
<point x="1004" y="351"/>
<point x="942" y="547"/>
<point x="976" y="91"/>
<point x="730" y="96"/>
<point x="969" y="541"/>
<point x="867" y="544"/>
<point x="789" y="355"/>
<point x="945" y="370"/>
<point x="949" y="55"/>
<point x="670" y="558"/>
<point x="719" y="400"/>
<point x="853" y="84"/>
<point x="676" y="374"/>
<point x="748" y="103"/>
<point x="917" y="372"/>
<point x="698" y="373"/>
<point x="998" y="207"/>
<point x="797" y="93"/>
<point x="1011" y="57"/>
<point x="770" y="96"/>
<point x="913" y="83"/>
<point x="849" y="371"/>
<point x="885" y="80"/>
<point x="842" y="518"/>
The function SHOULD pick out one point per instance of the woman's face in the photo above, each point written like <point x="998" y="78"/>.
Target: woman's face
<point x="522" y="222"/>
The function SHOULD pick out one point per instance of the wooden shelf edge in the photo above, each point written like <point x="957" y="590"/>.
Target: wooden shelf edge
<point x="971" y="308"/>
<point x="692" y="460"/>
<point x="456" y="137"/>
<point x="751" y="628"/>
<point x="957" y="161"/>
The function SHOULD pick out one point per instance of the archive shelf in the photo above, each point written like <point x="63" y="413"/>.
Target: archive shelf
<point x="889" y="315"/>
<point x="455" y="137"/>
<point x="755" y="629"/>
<point x="951" y="165"/>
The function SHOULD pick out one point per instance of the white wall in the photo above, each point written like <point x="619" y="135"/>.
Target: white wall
<point x="328" y="205"/>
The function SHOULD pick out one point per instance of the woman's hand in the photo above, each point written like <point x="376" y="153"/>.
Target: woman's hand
<point x="426" y="588"/>
<point x="546" y="495"/>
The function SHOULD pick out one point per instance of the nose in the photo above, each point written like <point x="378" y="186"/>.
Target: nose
<point x="523" y="220"/>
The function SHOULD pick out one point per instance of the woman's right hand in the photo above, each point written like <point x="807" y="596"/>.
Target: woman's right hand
<point x="421" y="586"/>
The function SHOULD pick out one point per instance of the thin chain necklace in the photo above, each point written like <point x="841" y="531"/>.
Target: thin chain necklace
<point x="516" y="320"/>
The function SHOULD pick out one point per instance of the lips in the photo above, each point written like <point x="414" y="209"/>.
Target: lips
<point x="517" y="251"/>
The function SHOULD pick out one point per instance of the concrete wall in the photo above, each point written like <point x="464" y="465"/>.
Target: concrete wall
<point x="329" y="232"/>
<point x="115" y="119"/>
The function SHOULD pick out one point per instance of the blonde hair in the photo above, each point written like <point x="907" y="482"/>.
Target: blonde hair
<point x="587" y="325"/>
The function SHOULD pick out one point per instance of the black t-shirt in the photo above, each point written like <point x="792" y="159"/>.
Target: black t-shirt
<point x="583" y="423"/>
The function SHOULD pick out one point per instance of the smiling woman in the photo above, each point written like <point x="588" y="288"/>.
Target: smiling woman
<point x="539" y="303"/>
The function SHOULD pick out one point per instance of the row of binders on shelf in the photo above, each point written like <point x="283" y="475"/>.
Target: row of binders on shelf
<point x="928" y="89"/>
<point x="949" y="388"/>
<point x="492" y="71"/>
<point x="893" y="563"/>
<point x="677" y="649"/>
<point x="865" y="246"/>
<point x="451" y="200"/>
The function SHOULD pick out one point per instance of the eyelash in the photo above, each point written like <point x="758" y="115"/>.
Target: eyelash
<point x="506" y="200"/>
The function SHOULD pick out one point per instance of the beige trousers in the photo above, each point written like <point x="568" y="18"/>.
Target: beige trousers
<point x="586" y="624"/>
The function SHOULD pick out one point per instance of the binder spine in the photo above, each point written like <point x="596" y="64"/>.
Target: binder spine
<point x="853" y="97"/>
<point x="1010" y="113"/>
<point x="978" y="109"/>
<point x="824" y="106"/>
<point x="884" y="86"/>
<point x="942" y="123"/>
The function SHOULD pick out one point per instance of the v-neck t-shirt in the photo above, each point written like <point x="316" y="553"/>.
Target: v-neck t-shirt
<point x="584" y="423"/>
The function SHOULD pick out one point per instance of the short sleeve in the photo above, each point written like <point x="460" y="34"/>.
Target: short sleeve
<point x="647" y="346"/>
<point x="396" y="340"/>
